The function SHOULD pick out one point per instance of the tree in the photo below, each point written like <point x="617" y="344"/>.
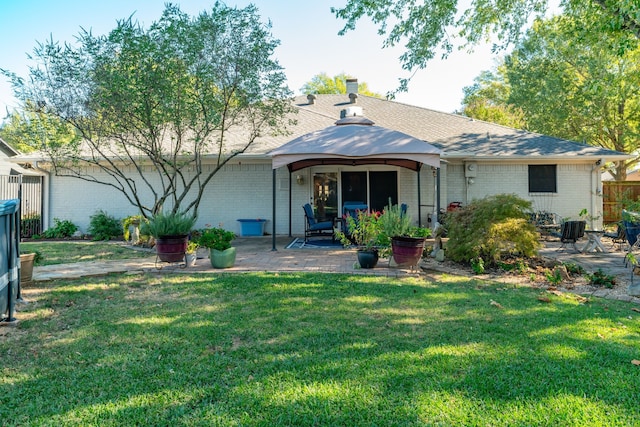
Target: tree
<point x="159" y="101"/>
<point x="488" y="100"/>
<point x="428" y="27"/>
<point x="322" y="83"/>
<point x="33" y="131"/>
<point x="578" y="87"/>
<point x="568" y="81"/>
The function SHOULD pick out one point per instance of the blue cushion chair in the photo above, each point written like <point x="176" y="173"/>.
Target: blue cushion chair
<point x="631" y="225"/>
<point x="315" y="228"/>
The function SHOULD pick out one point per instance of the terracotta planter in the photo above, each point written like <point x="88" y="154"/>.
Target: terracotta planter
<point x="223" y="259"/>
<point x="171" y="248"/>
<point x="26" y="269"/>
<point x="367" y="259"/>
<point x="407" y="251"/>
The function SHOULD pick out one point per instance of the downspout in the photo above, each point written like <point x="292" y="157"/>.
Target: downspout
<point x="596" y="192"/>
<point x="46" y="195"/>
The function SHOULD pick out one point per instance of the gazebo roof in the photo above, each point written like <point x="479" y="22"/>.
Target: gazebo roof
<point x="355" y="144"/>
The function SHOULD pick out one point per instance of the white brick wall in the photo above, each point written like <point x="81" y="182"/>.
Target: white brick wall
<point x="577" y="187"/>
<point x="245" y="191"/>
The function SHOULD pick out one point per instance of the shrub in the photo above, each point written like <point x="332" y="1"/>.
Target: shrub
<point x="492" y="228"/>
<point x="60" y="229"/>
<point x="600" y="278"/>
<point x="103" y="226"/>
<point x="363" y="230"/>
<point x="477" y="264"/>
<point x="171" y="224"/>
<point x="214" y="238"/>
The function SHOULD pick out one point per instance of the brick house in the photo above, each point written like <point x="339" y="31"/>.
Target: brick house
<point x="476" y="159"/>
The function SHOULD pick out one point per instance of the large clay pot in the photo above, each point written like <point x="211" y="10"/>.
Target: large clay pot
<point x="367" y="259"/>
<point x="223" y="259"/>
<point x="26" y="269"/>
<point x="171" y="248"/>
<point x="407" y="251"/>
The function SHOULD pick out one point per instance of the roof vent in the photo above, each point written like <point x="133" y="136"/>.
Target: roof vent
<point x="353" y="98"/>
<point x="311" y="98"/>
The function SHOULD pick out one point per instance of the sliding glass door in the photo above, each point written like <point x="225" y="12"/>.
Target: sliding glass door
<point x="372" y="188"/>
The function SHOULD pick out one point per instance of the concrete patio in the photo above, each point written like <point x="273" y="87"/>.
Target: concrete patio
<point x="255" y="254"/>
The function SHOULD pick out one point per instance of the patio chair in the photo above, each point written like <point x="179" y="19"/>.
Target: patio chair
<point x="618" y="237"/>
<point x="351" y="209"/>
<point x="631" y="225"/>
<point x="571" y="232"/>
<point x="315" y="228"/>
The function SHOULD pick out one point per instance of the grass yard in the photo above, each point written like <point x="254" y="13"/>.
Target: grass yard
<point x="80" y="251"/>
<point x="316" y="349"/>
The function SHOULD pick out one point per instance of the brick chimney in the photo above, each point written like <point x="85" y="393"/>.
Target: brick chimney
<point x="352" y="88"/>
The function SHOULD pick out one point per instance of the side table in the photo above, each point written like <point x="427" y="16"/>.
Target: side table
<point x="594" y="244"/>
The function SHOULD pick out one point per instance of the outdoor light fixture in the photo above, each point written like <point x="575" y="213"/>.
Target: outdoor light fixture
<point x="300" y="179"/>
<point x="470" y="181"/>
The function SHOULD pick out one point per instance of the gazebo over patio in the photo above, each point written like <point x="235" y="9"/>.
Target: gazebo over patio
<point x="353" y="141"/>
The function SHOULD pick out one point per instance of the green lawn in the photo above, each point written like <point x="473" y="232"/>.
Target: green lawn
<point x="314" y="349"/>
<point x="80" y="251"/>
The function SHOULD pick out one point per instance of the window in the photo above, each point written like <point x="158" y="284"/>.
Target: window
<point x="542" y="179"/>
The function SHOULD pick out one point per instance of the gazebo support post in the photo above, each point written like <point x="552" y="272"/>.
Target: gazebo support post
<point x="290" y="202"/>
<point x="273" y="213"/>
<point x="437" y="223"/>
<point x="419" y="200"/>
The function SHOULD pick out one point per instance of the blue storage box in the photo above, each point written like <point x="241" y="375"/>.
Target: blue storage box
<point x="252" y="227"/>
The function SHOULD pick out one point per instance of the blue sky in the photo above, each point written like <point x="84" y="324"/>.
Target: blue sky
<point x="307" y="31"/>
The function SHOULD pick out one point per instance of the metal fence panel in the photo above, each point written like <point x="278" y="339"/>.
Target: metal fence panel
<point x="28" y="189"/>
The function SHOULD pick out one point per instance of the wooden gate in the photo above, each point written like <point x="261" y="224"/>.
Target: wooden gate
<point x="615" y="195"/>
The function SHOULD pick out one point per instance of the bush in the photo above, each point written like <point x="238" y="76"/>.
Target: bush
<point x="103" y="226"/>
<point x="60" y="229"/>
<point x="170" y="224"/>
<point x="214" y="238"/>
<point x="492" y="228"/>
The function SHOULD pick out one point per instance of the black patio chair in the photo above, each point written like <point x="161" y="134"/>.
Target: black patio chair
<point x="315" y="228"/>
<point x="571" y="232"/>
<point x="618" y="237"/>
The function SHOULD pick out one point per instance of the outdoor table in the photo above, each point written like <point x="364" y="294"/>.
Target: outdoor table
<point x="594" y="244"/>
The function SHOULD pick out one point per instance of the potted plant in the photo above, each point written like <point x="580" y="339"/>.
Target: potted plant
<point x="27" y="261"/>
<point x="218" y="240"/>
<point x="407" y="240"/>
<point x="363" y="231"/>
<point x="191" y="253"/>
<point x="171" y="232"/>
<point x="130" y="223"/>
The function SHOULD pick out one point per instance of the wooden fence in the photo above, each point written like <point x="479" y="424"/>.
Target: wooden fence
<point x="614" y="196"/>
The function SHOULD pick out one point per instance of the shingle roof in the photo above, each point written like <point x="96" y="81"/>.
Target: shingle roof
<point x="454" y="134"/>
<point x="457" y="136"/>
